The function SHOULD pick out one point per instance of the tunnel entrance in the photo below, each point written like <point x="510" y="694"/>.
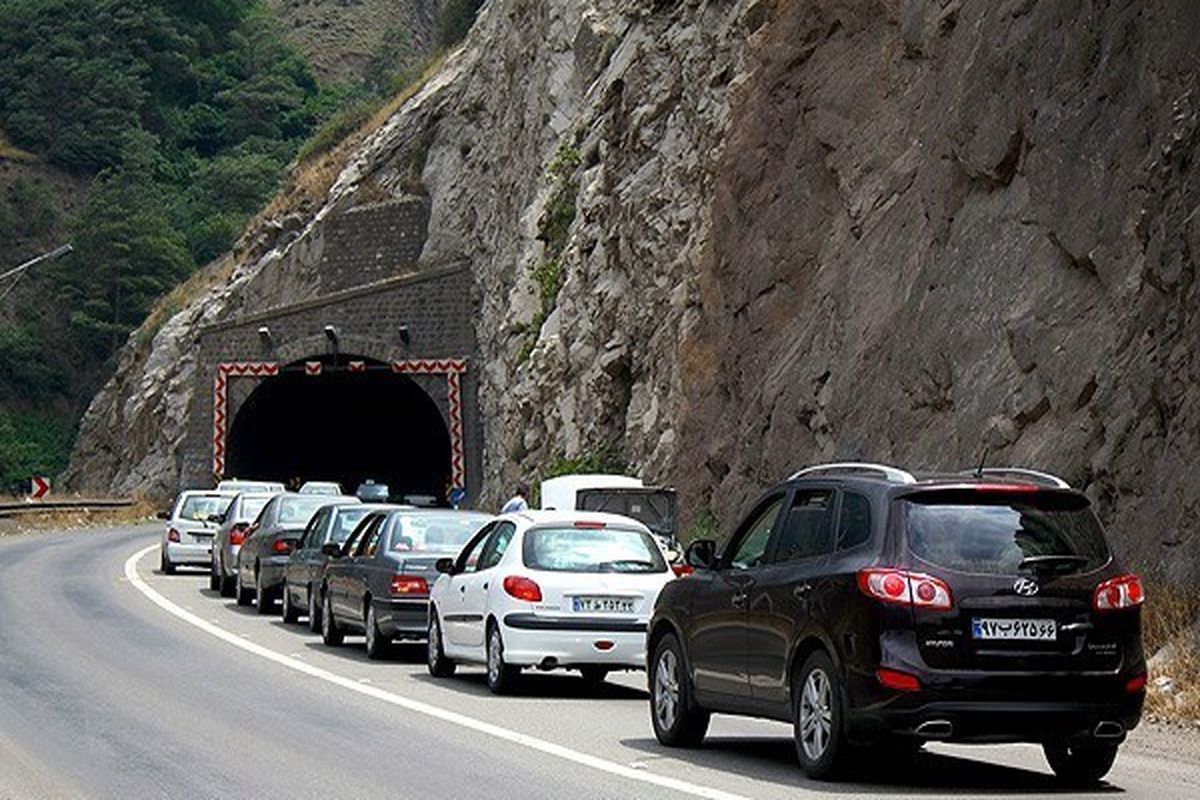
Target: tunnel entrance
<point x="346" y="425"/>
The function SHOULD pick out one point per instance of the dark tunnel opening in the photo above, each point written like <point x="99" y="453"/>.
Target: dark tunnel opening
<point x="342" y="426"/>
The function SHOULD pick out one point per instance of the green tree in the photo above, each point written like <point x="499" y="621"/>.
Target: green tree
<point x="128" y="253"/>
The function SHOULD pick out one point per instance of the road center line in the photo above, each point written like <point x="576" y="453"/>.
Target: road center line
<point x="416" y="706"/>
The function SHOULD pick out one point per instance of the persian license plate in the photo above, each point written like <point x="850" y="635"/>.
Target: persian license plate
<point x="603" y="605"/>
<point x="1034" y="630"/>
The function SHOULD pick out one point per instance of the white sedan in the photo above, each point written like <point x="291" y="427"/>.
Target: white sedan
<point x="547" y="589"/>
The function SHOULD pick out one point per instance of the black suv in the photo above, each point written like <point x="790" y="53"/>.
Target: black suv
<point x="870" y="607"/>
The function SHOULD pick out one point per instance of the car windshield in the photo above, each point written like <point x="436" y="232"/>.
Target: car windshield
<point x="253" y="506"/>
<point x="299" y="509"/>
<point x="591" y="550"/>
<point x="444" y="532"/>
<point x="200" y="507"/>
<point x="344" y="523"/>
<point x="1004" y="533"/>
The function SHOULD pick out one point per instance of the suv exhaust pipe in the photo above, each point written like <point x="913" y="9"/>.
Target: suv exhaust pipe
<point x="935" y="729"/>
<point x="1109" y="730"/>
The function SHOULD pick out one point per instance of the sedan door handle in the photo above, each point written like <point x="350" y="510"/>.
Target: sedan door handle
<point x="801" y="591"/>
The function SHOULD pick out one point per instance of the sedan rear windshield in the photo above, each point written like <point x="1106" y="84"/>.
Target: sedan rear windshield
<point x="591" y="550"/>
<point x="442" y="532"/>
<point x="1004" y="533"/>
<point x="253" y="506"/>
<point x="200" y="507"/>
<point x="298" y="510"/>
<point x="344" y="523"/>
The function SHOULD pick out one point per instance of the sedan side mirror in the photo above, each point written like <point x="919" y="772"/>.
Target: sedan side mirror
<point x="163" y="515"/>
<point x="701" y="554"/>
<point x="332" y="549"/>
<point x="444" y="565"/>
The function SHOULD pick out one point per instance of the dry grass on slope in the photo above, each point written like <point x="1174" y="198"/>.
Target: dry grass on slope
<point x="1171" y="633"/>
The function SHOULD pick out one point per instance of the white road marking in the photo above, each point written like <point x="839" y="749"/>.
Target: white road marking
<point x="416" y="706"/>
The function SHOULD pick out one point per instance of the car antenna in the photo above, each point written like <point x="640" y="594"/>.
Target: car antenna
<point x="982" y="461"/>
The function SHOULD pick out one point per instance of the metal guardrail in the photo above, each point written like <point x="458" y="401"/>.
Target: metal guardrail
<point x="45" y="506"/>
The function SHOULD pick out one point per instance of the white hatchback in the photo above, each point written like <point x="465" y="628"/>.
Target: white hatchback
<point x="547" y="589"/>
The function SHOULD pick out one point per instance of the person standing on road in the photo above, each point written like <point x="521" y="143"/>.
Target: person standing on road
<point x="517" y="502"/>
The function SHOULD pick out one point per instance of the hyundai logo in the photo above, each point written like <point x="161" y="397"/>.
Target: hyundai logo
<point x="1025" y="587"/>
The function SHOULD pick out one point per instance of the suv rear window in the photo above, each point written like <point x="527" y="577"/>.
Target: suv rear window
<point x="591" y="550"/>
<point x="1004" y="533"/>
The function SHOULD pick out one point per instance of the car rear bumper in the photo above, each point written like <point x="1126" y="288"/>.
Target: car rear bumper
<point x="228" y="561"/>
<point x="403" y="619"/>
<point x="271" y="571"/>
<point x="963" y="720"/>
<point x="531" y="640"/>
<point x="189" y="553"/>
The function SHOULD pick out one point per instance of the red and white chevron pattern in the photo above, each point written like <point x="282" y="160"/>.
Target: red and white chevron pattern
<point x="225" y="371"/>
<point x="452" y="368"/>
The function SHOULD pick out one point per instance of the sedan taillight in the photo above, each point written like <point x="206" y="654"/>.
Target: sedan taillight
<point x="1122" y="592"/>
<point x="283" y="546"/>
<point x="409" y="584"/>
<point x="237" y="534"/>
<point x="523" y="589"/>
<point x="906" y="588"/>
<point x="173" y="535"/>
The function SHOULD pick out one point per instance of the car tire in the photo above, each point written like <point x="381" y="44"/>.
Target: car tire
<point x="289" y="612"/>
<point x="244" y="596"/>
<point x="1080" y="766"/>
<point x="331" y="634"/>
<point x="500" y="676"/>
<point x="439" y="665"/>
<point x="214" y="578"/>
<point x="379" y="644"/>
<point x="264" y="601"/>
<point x="593" y="676"/>
<point x="314" y="611"/>
<point x="165" y="564"/>
<point x="677" y="720"/>
<point x="819" y="718"/>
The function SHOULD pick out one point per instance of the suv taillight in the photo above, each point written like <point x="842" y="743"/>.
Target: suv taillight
<point x="523" y="589"/>
<point x="905" y="588"/>
<point x="1122" y="592"/>
<point x="172" y="535"/>
<point x="409" y="584"/>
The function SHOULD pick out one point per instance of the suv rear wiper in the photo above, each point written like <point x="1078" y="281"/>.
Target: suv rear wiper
<point x="1050" y="560"/>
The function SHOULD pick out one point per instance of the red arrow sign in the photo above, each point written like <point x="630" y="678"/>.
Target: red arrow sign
<point x="41" y="487"/>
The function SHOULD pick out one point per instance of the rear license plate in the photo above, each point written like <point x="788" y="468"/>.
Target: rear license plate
<point x="1034" y="630"/>
<point x="199" y="538"/>
<point x="603" y="605"/>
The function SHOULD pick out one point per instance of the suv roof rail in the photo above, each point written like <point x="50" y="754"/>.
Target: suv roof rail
<point x="893" y="474"/>
<point x="1042" y="478"/>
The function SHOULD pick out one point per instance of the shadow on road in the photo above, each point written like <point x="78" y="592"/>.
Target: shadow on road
<point x="872" y="772"/>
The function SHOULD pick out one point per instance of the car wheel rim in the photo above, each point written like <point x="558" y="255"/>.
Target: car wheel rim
<point x="287" y="606"/>
<point x="312" y="604"/>
<point x="435" y="644"/>
<point x="666" y="690"/>
<point x="816" y="714"/>
<point x="493" y="657"/>
<point x="326" y="619"/>
<point x="370" y="629"/>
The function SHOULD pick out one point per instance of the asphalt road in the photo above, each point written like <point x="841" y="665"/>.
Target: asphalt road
<point x="118" y="682"/>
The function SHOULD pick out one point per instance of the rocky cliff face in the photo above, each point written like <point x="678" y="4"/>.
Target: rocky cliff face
<point x="728" y="238"/>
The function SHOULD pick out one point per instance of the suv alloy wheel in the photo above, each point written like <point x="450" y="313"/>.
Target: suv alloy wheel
<point x="816" y="697"/>
<point x="677" y="721"/>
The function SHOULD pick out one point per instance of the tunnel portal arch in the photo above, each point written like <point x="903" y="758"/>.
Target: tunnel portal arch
<point x="345" y="418"/>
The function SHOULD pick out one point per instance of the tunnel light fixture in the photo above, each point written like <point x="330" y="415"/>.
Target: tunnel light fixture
<point x="332" y="334"/>
<point x="264" y="334"/>
<point x="404" y="335"/>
